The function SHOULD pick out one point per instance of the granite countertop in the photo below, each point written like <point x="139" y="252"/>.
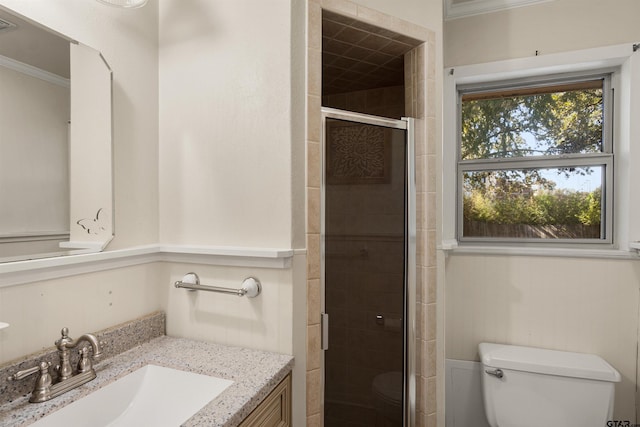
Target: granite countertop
<point x="254" y="374"/>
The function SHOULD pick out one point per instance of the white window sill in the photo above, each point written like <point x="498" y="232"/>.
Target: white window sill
<point x="451" y="247"/>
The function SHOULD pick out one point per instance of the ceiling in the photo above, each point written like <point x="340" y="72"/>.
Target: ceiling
<point x="358" y="56"/>
<point x="34" y="45"/>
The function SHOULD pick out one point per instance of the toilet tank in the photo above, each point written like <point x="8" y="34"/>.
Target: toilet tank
<point x="534" y="387"/>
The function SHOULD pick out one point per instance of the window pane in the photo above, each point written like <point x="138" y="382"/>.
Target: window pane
<point x="554" y="203"/>
<point x="521" y="122"/>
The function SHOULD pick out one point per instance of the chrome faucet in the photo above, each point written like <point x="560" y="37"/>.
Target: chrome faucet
<point x="45" y="389"/>
<point x="65" y="343"/>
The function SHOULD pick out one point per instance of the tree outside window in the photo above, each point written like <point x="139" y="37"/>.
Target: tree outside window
<point x="533" y="162"/>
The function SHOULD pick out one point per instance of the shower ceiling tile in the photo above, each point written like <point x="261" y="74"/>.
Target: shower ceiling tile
<point x="363" y="67"/>
<point x="359" y="56"/>
<point x="331" y="27"/>
<point x="353" y="75"/>
<point x="407" y="40"/>
<point x="348" y="64"/>
<point x="336" y="47"/>
<point x="358" y="53"/>
<point x="329" y="58"/>
<point x="380" y="58"/>
<point x="333" y="71"/>
<point x="375" y="42"/>
<point x="352" y="35"/>
<point x="395" y="48"/>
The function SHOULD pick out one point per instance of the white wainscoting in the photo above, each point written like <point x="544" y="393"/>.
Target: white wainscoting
<point x="463" y="399"/>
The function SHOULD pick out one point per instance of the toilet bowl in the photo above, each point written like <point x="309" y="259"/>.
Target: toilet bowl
<point x="387" y="396"/>
<point x="533" y="387"/>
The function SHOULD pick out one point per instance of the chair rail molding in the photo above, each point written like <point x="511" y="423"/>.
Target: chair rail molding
<point x="21" y="272"/>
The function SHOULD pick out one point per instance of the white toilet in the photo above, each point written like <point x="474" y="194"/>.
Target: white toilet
<point x="387" y="395"/>
<point x="533" y="387"/>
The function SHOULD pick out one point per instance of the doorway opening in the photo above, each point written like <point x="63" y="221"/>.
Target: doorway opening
<point x="414" y="89"/>
<point x="368" y="217"/>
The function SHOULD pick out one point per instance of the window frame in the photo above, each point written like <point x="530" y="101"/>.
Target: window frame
<point x="625" y="61"/>
<point x="605" y="158"/>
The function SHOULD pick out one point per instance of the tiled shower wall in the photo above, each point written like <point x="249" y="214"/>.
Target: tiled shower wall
<point x="384" y="102"/>
<point x="420" y="104"/>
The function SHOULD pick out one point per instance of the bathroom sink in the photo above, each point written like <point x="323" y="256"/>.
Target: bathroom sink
<point x="151" y="396"/>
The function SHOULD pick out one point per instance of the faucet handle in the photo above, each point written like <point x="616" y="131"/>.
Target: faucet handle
<point x="84" y="364"/>
<point x="64" y="339"/>
<point x="42" y="367"/>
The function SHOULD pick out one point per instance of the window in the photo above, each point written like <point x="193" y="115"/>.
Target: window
<point x="535" y="161"/>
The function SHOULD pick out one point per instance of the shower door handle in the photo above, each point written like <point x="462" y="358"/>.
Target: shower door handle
<point x="324" y="326"/>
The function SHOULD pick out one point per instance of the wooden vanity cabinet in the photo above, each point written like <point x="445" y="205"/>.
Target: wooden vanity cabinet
<point x="274" y="410"/>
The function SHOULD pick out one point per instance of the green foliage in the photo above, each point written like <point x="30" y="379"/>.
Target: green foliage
<point x="556" y="123"/>
<point x="503" y="125"/>
<point x="547" y="207"/>
<point x="591" y="214"/>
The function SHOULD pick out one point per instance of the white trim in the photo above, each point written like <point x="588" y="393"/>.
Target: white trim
<point x="556" y="63"/>
<point x="35" y="72"/>
<point x="34" y="236"/>
<point x="478" y="7"/>
<point x="20" y="272"/>
<point x="86" y="247"/>
<point x="617" y="56"/>
<point x="227" y="255"/>
<point x="228" y="251"/>
<point x="544" y="252"/>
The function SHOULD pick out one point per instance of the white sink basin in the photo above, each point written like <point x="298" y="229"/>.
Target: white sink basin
<point x="151" y="396"/>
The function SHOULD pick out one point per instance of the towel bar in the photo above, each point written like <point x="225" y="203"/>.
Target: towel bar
<point x="251" y="286"/>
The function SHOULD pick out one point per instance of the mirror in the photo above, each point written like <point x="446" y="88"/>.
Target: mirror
<point x="56" y="194"/>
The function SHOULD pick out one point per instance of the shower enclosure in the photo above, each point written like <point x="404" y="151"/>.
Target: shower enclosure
<point x="368" y="279"/>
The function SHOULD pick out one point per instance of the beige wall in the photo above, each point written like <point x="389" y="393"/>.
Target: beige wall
<point x="582" y="305"/>
<point x="427" y="13"/>
<point x="225" y="123"/>
<point x="232" y="165"/>
<point x="551" y="27"/>
<point x="83" y="303"/>
<point x="227" y="168"/>
<point x="575" y="304"/>
<point x="263" y="322"/>
<point x="226" y="171"/>
<point x="88" y="302"/>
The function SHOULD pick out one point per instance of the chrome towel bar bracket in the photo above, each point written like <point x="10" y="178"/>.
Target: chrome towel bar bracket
<point x="251" y="286"/>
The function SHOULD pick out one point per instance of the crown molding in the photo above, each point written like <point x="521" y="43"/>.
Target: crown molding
<point x="477" y="7"/>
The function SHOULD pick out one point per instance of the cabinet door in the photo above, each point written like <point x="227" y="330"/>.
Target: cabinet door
<point x="274" y="410"/>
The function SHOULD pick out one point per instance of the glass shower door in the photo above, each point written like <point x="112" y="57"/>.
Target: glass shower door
<point x="365" y="269"/>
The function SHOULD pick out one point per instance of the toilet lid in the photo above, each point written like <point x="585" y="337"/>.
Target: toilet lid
<point x="388" y="386"/>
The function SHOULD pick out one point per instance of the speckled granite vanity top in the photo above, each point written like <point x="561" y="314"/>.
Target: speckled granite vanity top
<point x="254" y="374"/>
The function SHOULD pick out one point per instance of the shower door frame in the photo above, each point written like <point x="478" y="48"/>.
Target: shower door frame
<point x="407" y="124"/>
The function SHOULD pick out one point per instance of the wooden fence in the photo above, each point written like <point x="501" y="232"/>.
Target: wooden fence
<point x="567" y="231"/>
